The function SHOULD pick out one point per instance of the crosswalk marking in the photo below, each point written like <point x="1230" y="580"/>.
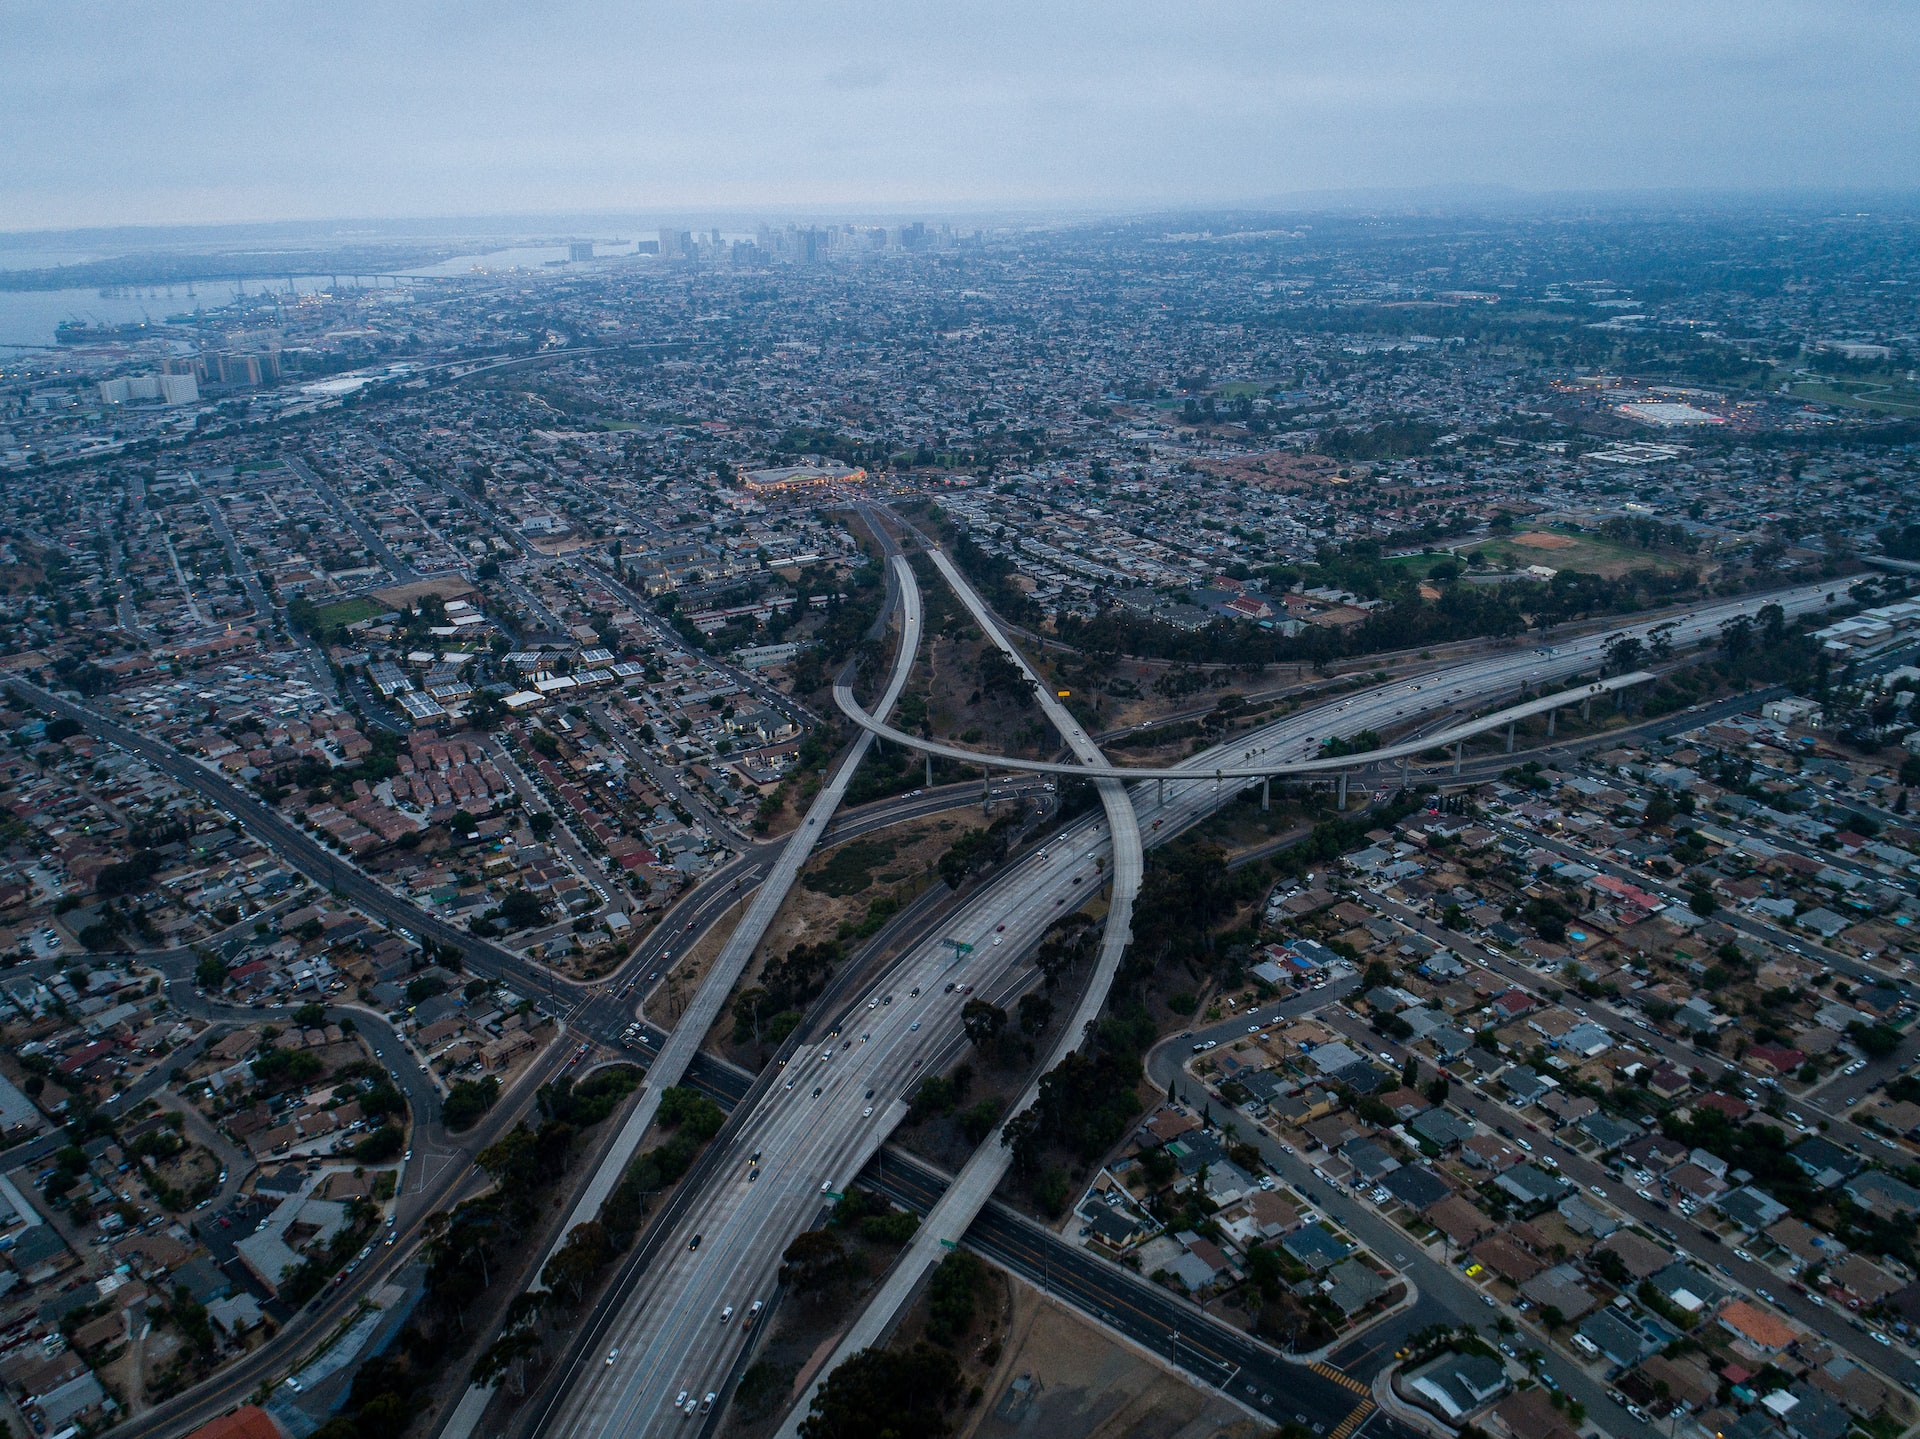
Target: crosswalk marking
<point x="1354" y="1420"/>
<point x="1327" y="1371"/>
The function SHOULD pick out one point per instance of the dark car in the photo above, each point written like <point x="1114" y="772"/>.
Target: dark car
<point x="694" y="1243"/>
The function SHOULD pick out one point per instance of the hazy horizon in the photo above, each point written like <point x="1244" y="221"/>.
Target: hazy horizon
<point x="230" y="115"/>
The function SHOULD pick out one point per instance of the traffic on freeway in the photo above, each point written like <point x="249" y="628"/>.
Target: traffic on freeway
<point x="811" y="1142"/>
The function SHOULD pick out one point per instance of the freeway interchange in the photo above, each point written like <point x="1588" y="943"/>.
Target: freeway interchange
<point x="841" y="1092"/>
<point x="807" y="1129"/>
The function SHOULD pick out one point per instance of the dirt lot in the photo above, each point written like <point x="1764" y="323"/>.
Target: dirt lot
<point x="947" y="679"/>
<point x="1544" y="540"/>
<point x="1588" y="554"/>
<point x="1285" y="470"/>
<point x="896" y="862"/>
<point x="188" y="1170"/>
<point x="1090" y="1386"/>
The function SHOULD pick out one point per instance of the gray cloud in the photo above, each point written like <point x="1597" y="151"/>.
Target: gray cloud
<point x="208" y="111"/>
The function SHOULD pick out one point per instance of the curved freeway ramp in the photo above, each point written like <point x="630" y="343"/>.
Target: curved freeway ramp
<point x="1249" y="765"/>
<point x="976" y="1182"/>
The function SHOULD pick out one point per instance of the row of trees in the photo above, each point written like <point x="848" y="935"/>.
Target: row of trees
<point x="524" y="1166"/>
<point x="1403" y="621"/>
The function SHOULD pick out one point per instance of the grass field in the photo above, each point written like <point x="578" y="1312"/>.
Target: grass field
<point x="849" y="869"/>
<point x="1861" y="395"/>
<point x="349" y="612"/>
<point x="1570" y="550"/>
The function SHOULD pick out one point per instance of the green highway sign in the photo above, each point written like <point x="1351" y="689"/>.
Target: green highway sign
<point x="948" y="1244"/>
<point x="835" y="1196"/>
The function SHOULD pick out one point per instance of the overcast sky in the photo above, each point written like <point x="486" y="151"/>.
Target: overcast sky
<point x="158" y="111"/>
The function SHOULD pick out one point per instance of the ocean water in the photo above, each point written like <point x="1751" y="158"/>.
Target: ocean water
<point x="28" y="317"/>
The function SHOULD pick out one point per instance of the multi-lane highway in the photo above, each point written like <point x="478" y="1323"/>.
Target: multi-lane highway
<point x="807" y="1140"/>
<point x="1398" y="705"/>
<point x="976" y="1182"/>
<point x="844" y="1097"/>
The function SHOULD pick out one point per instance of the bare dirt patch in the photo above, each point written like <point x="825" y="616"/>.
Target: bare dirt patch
<point x="186" y="1172"/>
<point x="1544" y="540"/>
<point x="1089" y="1386"/>
<point x="814" y="916"/>
<point x="449" y="589"/>
<point x="1284" y="470"/>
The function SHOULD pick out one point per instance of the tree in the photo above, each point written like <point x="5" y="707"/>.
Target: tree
<point x="578" y="1260"/>
<point x="467" y="1100"/>
<point x="978" y="1120"/>
<point x="485" y="710"/>
<point x="1624" y="654"/>
<point x="1736" y="637"/>
<point x="982" y="1020"/>
<point x="815" y="1260"/>
<point x="688" y="1109"/>
<point x="521" y="908"/>
<point x="506" y="1358"/>
<point x="951" y="1296"/>
<point x="380" y="1144"/>
<point x="1876" y="1041"/>
<point x="886" y="1394"/>
<point x="211" y="974"/>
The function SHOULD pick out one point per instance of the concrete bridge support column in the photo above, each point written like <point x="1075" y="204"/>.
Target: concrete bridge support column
<point x="1266" y="794"/>
<point x="1586" y="708"/>
<point x="1163" y="792"/>
<point x="986" y="791"/>
<point x="1552" y="717"/>
<point x="929" y="771"/>
<point x="1343" y="792"/>
<point x="1509" y="738"/>
<point x="1456" y="756"/>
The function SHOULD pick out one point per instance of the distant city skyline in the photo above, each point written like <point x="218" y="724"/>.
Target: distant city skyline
<point x="143" y="116"/>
